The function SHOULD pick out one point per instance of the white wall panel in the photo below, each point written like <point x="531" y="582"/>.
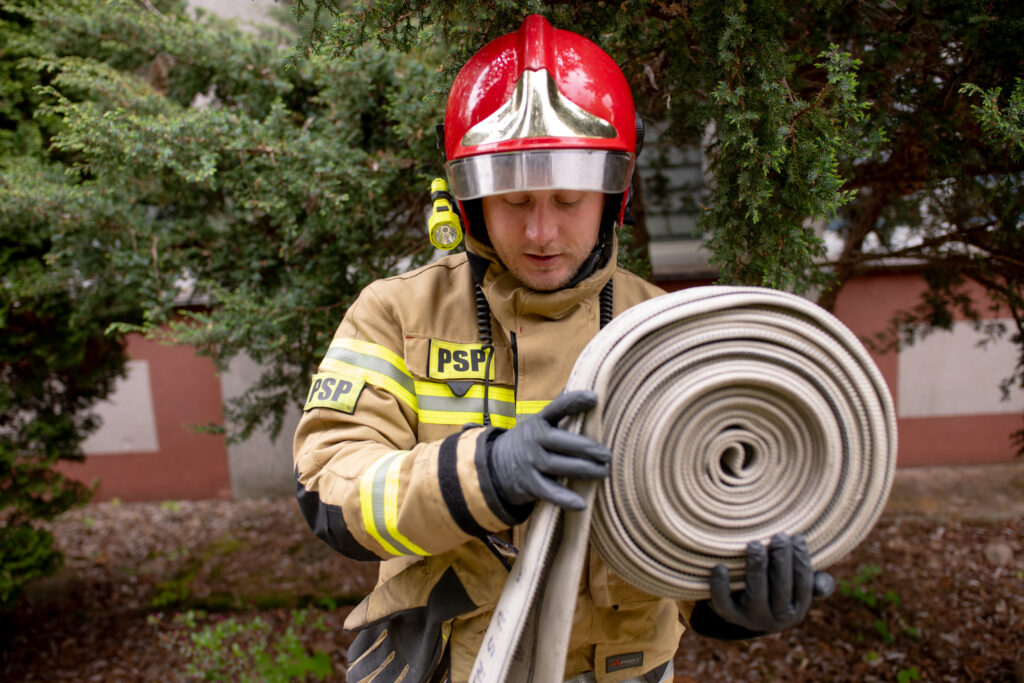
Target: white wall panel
<point x="128" y="420"/>
<point x="947" y="373"/>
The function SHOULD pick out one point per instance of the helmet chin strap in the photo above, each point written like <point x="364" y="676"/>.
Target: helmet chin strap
<point x="602" y="251"/>
<point x="591" y="264"/>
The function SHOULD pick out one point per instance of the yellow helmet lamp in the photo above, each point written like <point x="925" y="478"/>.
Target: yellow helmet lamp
<point x="443" y="226"/>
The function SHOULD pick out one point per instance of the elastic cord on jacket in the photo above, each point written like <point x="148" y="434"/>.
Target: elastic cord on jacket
<point x="483" y="326"/>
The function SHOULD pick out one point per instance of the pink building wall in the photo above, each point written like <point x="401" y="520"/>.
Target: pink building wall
<point x="185" y="391"/>
<point x="865" y="306"/>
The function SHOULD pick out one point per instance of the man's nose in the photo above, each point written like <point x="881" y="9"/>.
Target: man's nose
<point x="541" y="227"/>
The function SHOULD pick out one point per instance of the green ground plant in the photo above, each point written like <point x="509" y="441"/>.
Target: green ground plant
<point x="246" y="649"/>
<point x="883" y="609"/>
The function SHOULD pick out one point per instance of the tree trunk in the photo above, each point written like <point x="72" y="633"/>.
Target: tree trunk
<point x="869" y="207"/>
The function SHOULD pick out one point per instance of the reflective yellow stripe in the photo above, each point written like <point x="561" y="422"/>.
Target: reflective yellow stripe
<point x="526" y="408"/>
<point x="444" y="417"/>
<point x="391" y="374"/>
<point x="376" y="364"/>
<point x="366" y="505"/>
<point x="386" y="370"/>
<point x="391" y="505"/>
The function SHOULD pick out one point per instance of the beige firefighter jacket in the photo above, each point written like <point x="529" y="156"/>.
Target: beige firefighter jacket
<point x="387" y="468"/>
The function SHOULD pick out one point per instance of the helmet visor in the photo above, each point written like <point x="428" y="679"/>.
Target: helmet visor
<point x="596" y="170"/>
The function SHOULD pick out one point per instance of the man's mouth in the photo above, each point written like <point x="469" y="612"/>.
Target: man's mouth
<point x="542" y="259"/>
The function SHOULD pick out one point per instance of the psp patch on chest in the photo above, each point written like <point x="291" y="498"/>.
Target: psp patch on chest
<point x="449" y="360"/>
<point x="334" y="391"/>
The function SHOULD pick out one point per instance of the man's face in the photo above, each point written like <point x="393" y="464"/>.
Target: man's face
<point x="544" y="236"/>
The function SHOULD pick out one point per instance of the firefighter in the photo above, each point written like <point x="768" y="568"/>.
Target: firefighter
<point x="431" y="426"/>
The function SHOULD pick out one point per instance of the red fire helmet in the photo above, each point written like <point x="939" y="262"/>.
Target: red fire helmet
<point x="539" y="109"/>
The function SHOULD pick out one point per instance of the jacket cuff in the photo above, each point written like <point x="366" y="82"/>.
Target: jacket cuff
<point x="705" y="621"/>
<point x="507" y="512"/>
<point x="466" y="485"/>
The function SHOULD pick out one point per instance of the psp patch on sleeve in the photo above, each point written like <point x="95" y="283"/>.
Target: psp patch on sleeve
<point x="334" y="391"/>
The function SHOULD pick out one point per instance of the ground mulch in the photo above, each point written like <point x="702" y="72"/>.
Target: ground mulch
<point x="934" y="593"/>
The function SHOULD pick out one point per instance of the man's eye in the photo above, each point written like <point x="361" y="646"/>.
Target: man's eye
<point x="568" y="203"/>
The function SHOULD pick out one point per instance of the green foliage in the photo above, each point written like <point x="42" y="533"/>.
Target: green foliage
<point x="241" y="203"/>
<point x="170" y="174"/>
<point x="907" y="675"/>
<point x="855" y="587"/>
<point x="25" y="553"/>
<point x="54" y="362"/>
<point x="166" y="172"/>
<point x="235" y="649"/>
<point x="777" y="162"/>
<point x="631" y="256"/>
<point x="943" y="190"/>
<point x="177" y="589"/>
<point x="774" y="159"/>
<point x="55" y="358"/>
<point x="1003" y="126"/>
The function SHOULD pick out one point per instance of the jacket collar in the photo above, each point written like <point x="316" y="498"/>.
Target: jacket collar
<point x="510" y="300"/>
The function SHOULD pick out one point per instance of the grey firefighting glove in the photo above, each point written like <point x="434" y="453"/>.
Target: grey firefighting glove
<point x="780" y="584"/>
<point x="526" y="461"/>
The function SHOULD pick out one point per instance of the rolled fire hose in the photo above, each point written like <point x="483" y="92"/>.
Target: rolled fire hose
<point x="733" y="413"/>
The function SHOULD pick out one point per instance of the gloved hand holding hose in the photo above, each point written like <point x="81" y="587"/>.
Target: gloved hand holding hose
<point x="526" y="461"/>
<point x="779" y="586"/>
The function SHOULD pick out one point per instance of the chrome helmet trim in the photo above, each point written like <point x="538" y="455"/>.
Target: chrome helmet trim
<point x="595" y="170"/>
<point x="537" y="109"/>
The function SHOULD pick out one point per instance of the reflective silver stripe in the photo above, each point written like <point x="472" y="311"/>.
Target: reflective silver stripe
<point x="466" y="404"/>
<point x="384" y="503"/>
<point x="373" y="364"/>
